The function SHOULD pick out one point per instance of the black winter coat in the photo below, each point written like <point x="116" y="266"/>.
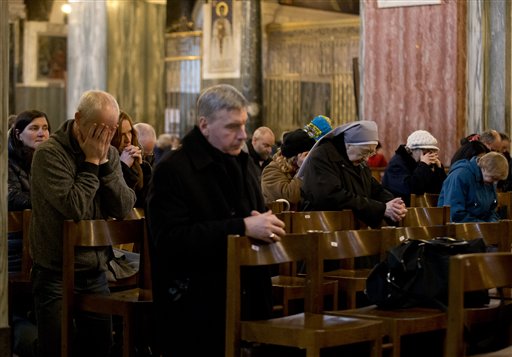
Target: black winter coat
<point x="193" y="203"/>
<point x="404" y="176"/>
<point x="131" y="177"/>
<point x="18" y="181"/>
<point x="331" y="182"/>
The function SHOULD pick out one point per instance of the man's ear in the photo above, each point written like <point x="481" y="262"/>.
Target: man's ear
<point x="77" y="118"/>
<point x="203" y="126"/>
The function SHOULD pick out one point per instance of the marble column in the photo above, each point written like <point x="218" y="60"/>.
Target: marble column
<point x="250" y="61"/>
<point x="4" y="95"/>
<point x="495" y="65"/>
<point x="87" y="50"/>
<point x="475" y="69"/>
<point x="487" y="33"/>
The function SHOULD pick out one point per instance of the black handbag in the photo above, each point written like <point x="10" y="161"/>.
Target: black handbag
<point x="415" y="273"/>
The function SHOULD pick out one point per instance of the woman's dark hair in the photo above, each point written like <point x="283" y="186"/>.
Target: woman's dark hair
<point x="468" y="150"/>
<point x="469" y="138"/>
<point x="17" y="150"/>
<point x="117" y="138"/>
<point x="23" y="119"/>
<point x="116" y="142"/>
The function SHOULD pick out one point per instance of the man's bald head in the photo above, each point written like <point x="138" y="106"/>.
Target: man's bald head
<point x="147" y="136"/>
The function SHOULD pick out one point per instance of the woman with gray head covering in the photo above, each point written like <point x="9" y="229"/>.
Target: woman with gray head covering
<point x="336" y="177"/>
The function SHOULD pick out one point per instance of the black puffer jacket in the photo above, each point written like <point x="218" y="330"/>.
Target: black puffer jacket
<point x="19" y="178"/>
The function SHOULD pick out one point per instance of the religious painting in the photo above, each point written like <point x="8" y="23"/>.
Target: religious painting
<point x="51" y="57"/>
<point x="221" y="39"/>
<point x="44" y="54"/>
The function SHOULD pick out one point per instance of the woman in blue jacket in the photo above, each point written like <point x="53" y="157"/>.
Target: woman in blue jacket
<point x="470" y="188"/>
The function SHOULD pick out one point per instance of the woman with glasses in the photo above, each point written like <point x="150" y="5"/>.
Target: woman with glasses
<point x="470" y="188"/>
<point x="336" y="176"/>
<point x="415" y="167"/>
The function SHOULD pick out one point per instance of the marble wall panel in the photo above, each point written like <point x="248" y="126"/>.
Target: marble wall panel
<point x="409" y="76"/>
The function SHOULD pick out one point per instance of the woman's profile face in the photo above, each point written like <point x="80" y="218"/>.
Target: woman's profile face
<point x="359" y="153"/>
<point x="35" y="133"/>
<point x="126" y="135"/>
<point x="489" y="177"/>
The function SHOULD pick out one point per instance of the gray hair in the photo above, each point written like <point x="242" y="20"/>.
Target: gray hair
<point x="145" y="130"/>
<point x="490" y="136"/>
<point x="220" y="97"/>
<point x="93" y="101"/>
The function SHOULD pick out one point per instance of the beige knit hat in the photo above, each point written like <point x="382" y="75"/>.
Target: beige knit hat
<point x="421" y="139"/>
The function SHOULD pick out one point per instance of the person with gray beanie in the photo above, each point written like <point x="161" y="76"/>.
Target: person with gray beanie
<point x="415" y="168"/>
<point x="336" y="176"/>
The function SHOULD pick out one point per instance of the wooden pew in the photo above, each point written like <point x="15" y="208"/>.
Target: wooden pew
<point x="19" y="282"/>
<point x="426" y="216"/>
<point x="126" y="303"/>
<point x="397" y="323"/>
<point x="472" y="272"/>
<point x="357" y="244"/>
<point x="424" y="200"/>
<point x="310" y="330"/>
<point x="19" y="222"/>
<point x="401" y="322"/>
<point x="504" y="205"/>
<point x="287" y="285"/>
<point x="301" y="222"/>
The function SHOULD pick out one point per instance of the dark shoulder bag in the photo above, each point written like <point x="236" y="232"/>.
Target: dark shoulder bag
<point x="415" y="273"/>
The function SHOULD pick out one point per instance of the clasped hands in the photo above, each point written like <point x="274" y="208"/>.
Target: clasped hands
<point x="130" y="154"/>
<point x="264" y="226"/>
<point x="395" y="209"/>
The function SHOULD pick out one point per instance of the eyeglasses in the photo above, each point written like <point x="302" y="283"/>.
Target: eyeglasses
<point x="368" y="154"/>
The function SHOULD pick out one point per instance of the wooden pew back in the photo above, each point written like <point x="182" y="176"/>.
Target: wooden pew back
<point x="104" y="233"/>
<point x="301" y="222"/>
<point x="426" y="216"/>
<point x="472" y="272"/>
<point x="19" y="222"/>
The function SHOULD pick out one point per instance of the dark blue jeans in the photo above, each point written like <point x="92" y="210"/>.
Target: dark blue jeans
<point x="93" y="332"/>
